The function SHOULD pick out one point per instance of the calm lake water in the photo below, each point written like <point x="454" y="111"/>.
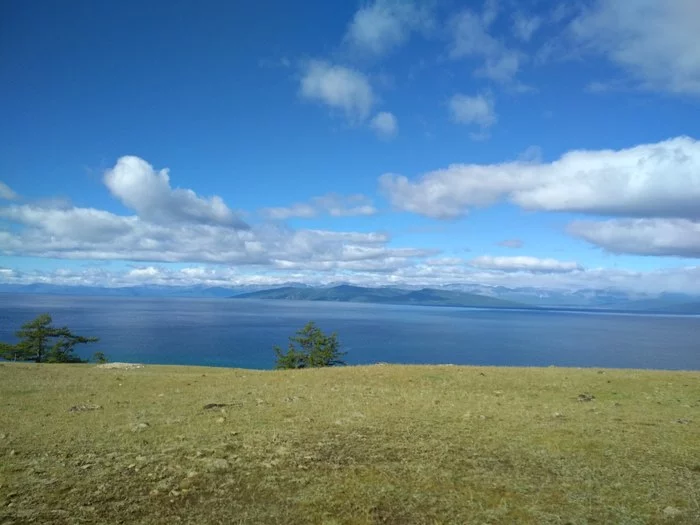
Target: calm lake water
<point x="241" y="333"/>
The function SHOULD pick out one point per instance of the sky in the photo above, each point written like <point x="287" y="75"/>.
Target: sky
<point x="515" y="143"/>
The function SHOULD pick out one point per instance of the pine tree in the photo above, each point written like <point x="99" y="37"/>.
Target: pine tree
<point x="310" y="348"/>
<point x="42" y="342"/>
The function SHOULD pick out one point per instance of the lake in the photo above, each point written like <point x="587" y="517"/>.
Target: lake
<point x="241" y="333"/>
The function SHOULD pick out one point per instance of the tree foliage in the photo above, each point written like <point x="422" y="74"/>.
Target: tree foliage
<point x="100" y="358"/>
<point x="41" y="342"/>
<point x="310" y="348"/>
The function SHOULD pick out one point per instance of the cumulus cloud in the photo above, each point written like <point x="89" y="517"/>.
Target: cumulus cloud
<point x="656" y="42"/>
<point x="381" y="26"/>
<point x="85" y="233"/>
<point x="6" y="193"/>
<point x="478" y="109"/>
<point x="650" y="180"/>
<point x="340" y="88"/>
<point x="385" y="125"/>
<point x="678" y="237"/>
<point x="524" y="264"/>
<point x="511" y="243"/>
<point x="470" y="38"/>
<point x="87" y="224"/>
<point x="176" y="225"/>
<point x="330" y="204"/>
<point x="146" y="191"/>
<point x="81" y="233"/>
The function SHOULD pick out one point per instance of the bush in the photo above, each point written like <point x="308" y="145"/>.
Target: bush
<point x="310" y="348"/>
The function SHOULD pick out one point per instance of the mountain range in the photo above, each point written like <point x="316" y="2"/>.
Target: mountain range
<point x="357" y="294"/>
<point x="446" y="295"/>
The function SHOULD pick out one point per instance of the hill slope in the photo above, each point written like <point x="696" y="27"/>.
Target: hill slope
<point x="358" y="445"/>
<point x="358" y="294"/>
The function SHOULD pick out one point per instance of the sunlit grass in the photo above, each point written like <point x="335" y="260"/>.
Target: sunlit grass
<point x="380" y="444"/>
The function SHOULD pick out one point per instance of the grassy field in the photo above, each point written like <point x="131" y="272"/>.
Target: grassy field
<point x="357" y="445"/>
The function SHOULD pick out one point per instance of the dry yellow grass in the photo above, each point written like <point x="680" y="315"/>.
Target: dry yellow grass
<point x="356" y="445"/>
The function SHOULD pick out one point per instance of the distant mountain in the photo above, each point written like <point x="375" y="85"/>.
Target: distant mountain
<point x="590" y="298"/>
<point x="358" y="294"/>
<point x="445" y="295"/>
<point x="683" y="308"/>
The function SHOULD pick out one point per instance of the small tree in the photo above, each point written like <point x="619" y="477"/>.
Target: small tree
<point x="42" y="342"/>
<point x="100" y="358"/>
<point x="310" y="348"/>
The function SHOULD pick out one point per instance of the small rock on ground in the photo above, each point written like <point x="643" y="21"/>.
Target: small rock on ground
<point x="586" y="397"/>
<point x="120" y="366"/>
<point x="140" y="427"/>
<point x="672" y="512"/>
<point x="84" y="408"/>
<point x="215" y="464"/>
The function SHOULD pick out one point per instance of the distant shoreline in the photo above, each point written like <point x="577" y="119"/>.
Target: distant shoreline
<point x="523" y="308"/>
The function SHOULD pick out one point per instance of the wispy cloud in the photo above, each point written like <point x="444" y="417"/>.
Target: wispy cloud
<point x="655" y="42"/>
<point x="524" y="264"/>
<point x="338" y="87"/>
<point x="385" y="125"/>
<point x="6" y="192"/>
<point x="476" y="110"/>
<point x="511" y="243"/>
<point x="330" y="204"/>
<point x="381" y="26"/>
<point x="471" y="38"/>
<point x="524" y="26"/>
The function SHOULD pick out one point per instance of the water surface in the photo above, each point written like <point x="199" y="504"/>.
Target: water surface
<point x="241" y="333"/>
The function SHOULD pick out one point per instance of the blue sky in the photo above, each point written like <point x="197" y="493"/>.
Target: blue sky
<point x="376" y="142"/>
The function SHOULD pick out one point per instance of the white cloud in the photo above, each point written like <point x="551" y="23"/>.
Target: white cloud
<point x="385" y="125"/>
<point x="445" y="261"/>
<point x="6" y="192"/>
<point x="650" y="180"/>
<point x="676" y="237"/>
<point x="298" y="210"/>
<point x="524" y="264"/>
<point x="512" y="243"/>
<point x="81" y="233"/>
<point x="74" y="234"/>
<point x="524" y="26"/>
<point x="134" y="181"/>
<point x="338" y="87"/>
<point x="148" y="274"/>
<point x="199" y="230"/>
<point x="655" y="41"/>
<point x="396" y="271"/>
<point x="477" y="109"/>
<point x="471" y="39"/>
<point x="87" y="224"/>
<point x="381" y="26"/>
<point x="330" y="204"/>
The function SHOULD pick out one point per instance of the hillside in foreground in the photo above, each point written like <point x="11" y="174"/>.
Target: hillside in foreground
<point x="355" y="445"/>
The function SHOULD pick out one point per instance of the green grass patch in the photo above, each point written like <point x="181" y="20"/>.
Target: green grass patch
<point x="354" y="445"/>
